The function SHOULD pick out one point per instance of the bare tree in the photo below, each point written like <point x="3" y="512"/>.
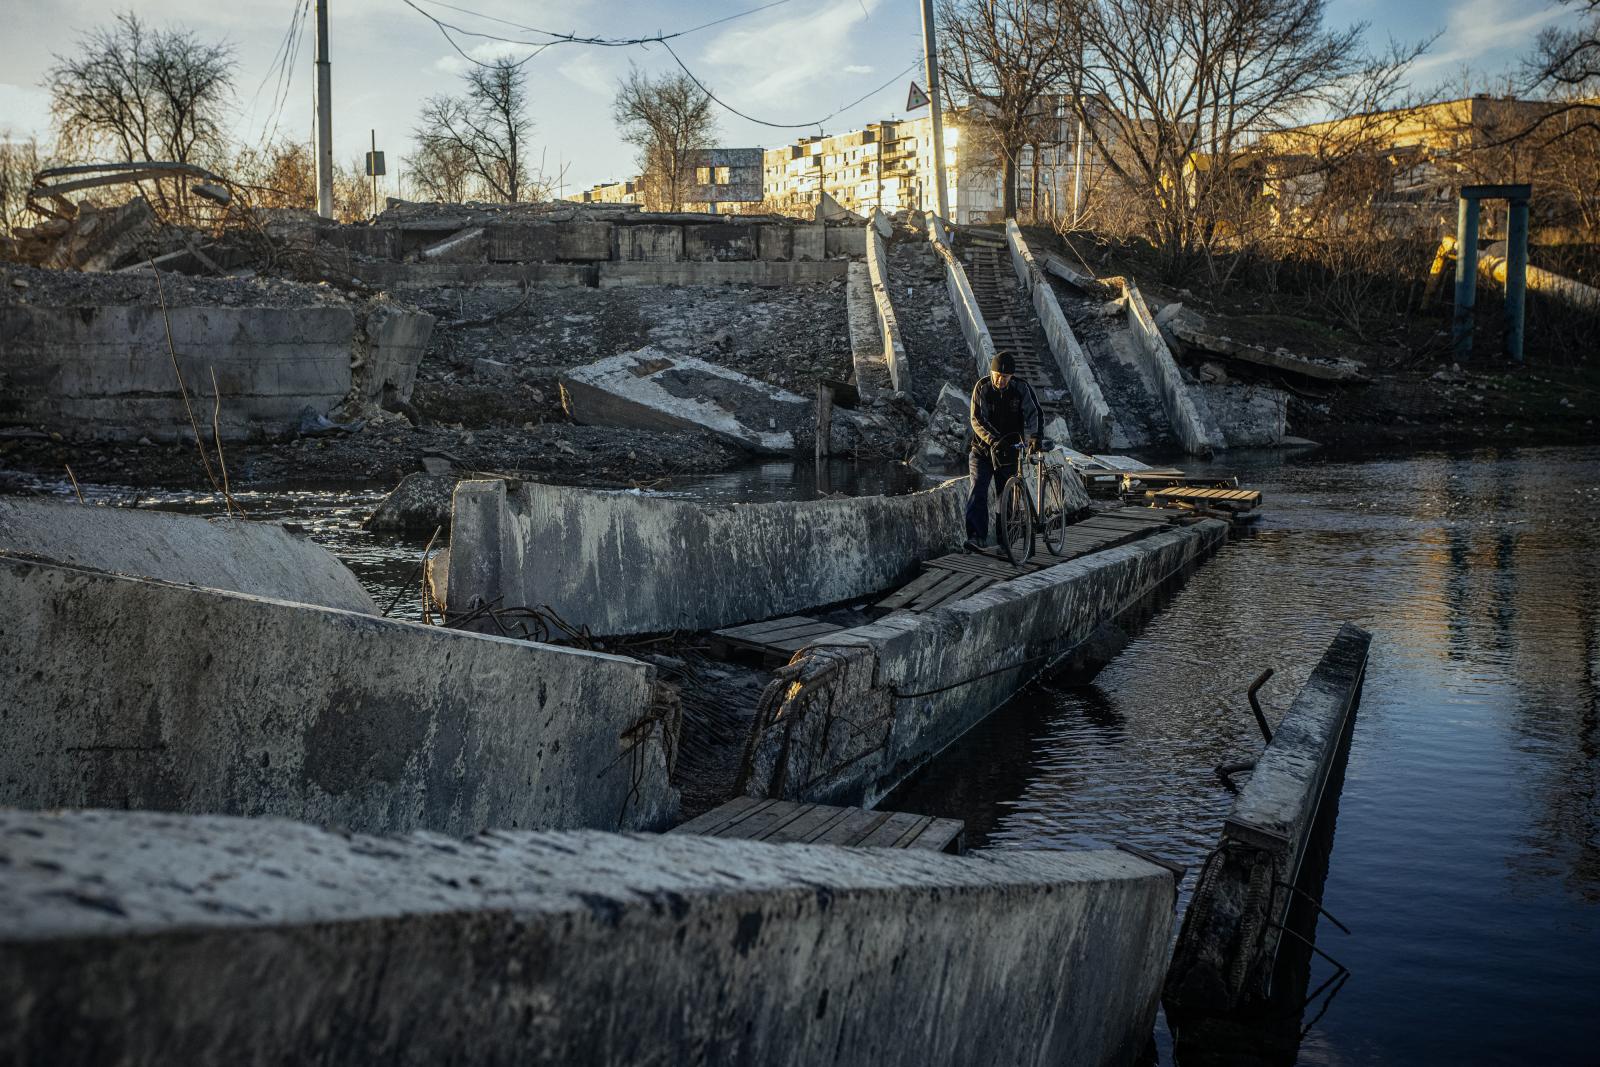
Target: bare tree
<point x="669" y="120"/>
<point x="477" y="140"/>
<point x="1570" y="56"/>
<point x="280" y="176"/>
<point x="440" y="171"/>
<point x="133" y="93"/>
<point x="1171" y="93"/>
<point x="19" y="162"/>
<point x="1002" y="61"/>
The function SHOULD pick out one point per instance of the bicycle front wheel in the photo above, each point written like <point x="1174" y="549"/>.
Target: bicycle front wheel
<point x="1016" y="523"/>
<point x="1053" y="512"/>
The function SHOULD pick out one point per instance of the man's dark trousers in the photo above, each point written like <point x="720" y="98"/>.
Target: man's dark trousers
<point x="983" y="471"/>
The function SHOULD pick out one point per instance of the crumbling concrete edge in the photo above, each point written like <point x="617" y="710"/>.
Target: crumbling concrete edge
<point x="1090" y="402"/>
<point x="851" y="718"/>
<point x="866" y="346"/>
<point x="1224" y="955"/>
<point x="1183" y="406"/>
<point x="894" y="348"/>
<point x="145" y="939"/>
<point x="968" y="313"/>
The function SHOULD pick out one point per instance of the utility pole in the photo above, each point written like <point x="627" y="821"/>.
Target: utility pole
<point x="324" y="116"/>
<point x="931" y="59"/>
<point x="372" y="168"/>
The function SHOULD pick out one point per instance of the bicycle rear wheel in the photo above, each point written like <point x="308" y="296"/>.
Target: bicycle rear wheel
<point x="1016" y="523"/>
<point x="1053" y="512"/>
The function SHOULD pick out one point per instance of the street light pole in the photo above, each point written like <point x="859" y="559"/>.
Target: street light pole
<point x="324" y="116"/>
<point x="931" y="58"/>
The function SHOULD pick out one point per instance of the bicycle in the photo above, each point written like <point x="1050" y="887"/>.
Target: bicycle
<point x="1044" y="507"/>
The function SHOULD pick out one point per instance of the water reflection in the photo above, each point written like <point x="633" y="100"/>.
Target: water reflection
<point x="1467" y="855"/>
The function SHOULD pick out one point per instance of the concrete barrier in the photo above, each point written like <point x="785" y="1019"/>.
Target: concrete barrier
<point x="258" y="558"/>
<point x="852" y="720"/>
<point x="1189" y="423"/>
<point x="894" y="348"/>
<point x="123" y="692"/>
<point x="968" y="314"/>
<point x="143" y="940"/>
<point x="1093" y="411"/>
<point x="871" y="373"/>
<point x="1226" y="949"/>
<point x="105" y="371"/>
<point x="626" y="563"/>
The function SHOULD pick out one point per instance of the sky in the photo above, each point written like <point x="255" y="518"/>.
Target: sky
<point x="795" y="62"/>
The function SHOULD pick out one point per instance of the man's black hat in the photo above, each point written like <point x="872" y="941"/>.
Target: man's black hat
<point x="1002" y="363"/>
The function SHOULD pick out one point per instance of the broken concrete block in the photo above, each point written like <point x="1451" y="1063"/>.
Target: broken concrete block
<point x="420" y="503"/>
<point x="145" y="940"/>
<point x="1250" y="416"/>
<point x="649" y="390"/>
<point x="104" y="238"/>
<point x="623" y="563"/>
<point x="720" y="241"/>
<point x="650" y="243"/>
<point x="491" y="369"/>
<point x="549" y="242"/>
<point x="165" y="697"/>
<point x="259" y="558"/>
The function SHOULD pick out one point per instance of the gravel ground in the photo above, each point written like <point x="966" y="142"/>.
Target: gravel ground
<point x="934" y="346"/>
<point x="60" y="288"/>
<point x="789" y="336"/>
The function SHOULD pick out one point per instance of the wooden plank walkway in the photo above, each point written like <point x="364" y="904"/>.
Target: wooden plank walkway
<point x="1234" y="500"/>
<point x="961" y="574"/>
<point x="819" y="824"/>
<point x="774" y="642"/>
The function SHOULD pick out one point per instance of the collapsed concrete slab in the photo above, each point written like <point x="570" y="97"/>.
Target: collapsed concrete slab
<point x="93" y="362"/>
<point x="1185" y="406"/>
<point x="144" y="939"/>
<point x="850" y="721"/>
<point x="1250" y="416"/>
<point x="648" y="389"/>
<point x="1223" y="961"/>
<point x="258" y="558"/>
<point x="420" y="503"/>
<point x="122" y="692"/>
<point x="622" y="562"/>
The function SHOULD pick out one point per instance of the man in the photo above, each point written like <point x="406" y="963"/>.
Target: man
<point x="1004" y="412"/>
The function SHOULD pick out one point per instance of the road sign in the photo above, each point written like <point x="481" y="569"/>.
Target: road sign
<point x="916" y="98"/>
<point x="375" y="165"/>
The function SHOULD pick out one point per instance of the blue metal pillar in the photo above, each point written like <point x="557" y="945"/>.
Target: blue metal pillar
<point x="1466" y="275"/>
<point x="1516" y="276"/>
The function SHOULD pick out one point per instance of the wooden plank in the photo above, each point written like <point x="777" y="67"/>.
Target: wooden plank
<point x="899" y="824"/>
<point x="815" y="821"/>
<point x="912" y="589"/>
<point x="795" y="644"/>
<point x="717" y="818"/>
<point x="958" y="591"/>
<point x="791" y="632"/>
<point x="940" y="835"/>
<point x="755" y="629"/>
<point x="757" y="827"/>
<point x="948" y="581"/>
<point x="858" y="824"/>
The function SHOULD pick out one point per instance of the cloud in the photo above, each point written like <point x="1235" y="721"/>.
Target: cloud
<point x="858" y="68"/>
<point x="788" y="59"/>
<point x="594" y="72"/>
<point x="24" y="111"/>
<point x="1477" y="28"/>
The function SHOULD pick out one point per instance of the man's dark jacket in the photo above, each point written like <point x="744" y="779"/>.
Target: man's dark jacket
<point x="999" y="413"/>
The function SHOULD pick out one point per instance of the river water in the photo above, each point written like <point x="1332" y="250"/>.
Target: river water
<point x="1466" y="850"/>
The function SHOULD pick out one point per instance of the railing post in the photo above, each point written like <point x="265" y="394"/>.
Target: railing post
<point x="1516" y="276"/>
<point x="1466" y="275"/>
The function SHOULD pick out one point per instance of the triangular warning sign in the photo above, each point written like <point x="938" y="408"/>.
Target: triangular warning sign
<point x="916" y="98"/>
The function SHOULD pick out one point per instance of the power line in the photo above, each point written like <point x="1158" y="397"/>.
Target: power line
<point x="445" y="28"/>
<point x="786" y="125"/>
